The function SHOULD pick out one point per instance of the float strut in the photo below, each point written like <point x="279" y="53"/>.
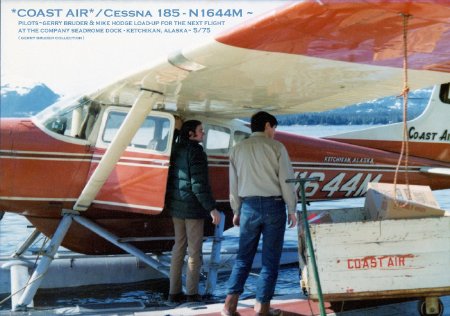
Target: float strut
<point x="115" y="240"/>
<point x="47" y="258"/>
<point x="35" y="234"/>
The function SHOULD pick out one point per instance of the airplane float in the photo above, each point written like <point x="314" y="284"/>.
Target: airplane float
<point x="104" y="157"/>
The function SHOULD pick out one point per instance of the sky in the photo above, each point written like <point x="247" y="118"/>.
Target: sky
<point x="82" y="62"/>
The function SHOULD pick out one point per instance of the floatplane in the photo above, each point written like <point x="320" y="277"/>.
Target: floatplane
<point x="91" y="172"/>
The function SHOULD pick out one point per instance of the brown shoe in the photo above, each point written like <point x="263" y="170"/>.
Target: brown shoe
<point x="231" y="302"/>
<point x="263" y="309"/>
<point x="177" y="298"/>
<point x="194" y="298"/>
<point x="226" y="313"/>
<point x="271" y="312"/>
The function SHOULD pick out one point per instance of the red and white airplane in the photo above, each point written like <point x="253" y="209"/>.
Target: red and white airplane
<point x="106" y="155"/>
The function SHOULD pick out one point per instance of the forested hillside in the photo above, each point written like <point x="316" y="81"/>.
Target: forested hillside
<point x="380" y="111"/>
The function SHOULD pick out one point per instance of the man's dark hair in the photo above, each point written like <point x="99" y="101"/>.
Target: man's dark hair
<point x="188" y="126"/>
<point x="259" y="120"/>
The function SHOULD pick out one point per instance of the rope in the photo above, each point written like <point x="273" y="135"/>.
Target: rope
<point x="405" y="141"/>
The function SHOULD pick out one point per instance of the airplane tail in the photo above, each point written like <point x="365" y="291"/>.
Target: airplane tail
<point x="428" y="134"/>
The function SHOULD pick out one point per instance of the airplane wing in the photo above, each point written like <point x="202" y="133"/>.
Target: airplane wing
<point x="307" y="56"/>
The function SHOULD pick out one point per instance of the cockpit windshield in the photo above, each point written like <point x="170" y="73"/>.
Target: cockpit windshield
<point x="73" y="118"/>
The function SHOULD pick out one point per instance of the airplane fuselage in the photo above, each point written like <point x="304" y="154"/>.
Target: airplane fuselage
<point x="43" y="173"/>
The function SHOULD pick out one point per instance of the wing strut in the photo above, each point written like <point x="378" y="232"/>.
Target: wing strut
<point x="139" y="111"/>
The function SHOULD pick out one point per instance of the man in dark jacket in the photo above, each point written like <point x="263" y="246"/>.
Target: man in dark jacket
<point x="189" y="200"/>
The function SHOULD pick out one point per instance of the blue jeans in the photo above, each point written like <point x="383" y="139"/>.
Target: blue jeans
<point x="266" y="216"/>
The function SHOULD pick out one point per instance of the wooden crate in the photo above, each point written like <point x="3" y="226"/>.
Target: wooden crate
<point x="381" y="259"/>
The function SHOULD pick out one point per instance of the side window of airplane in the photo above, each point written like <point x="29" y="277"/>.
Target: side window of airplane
<point x="153" y="133"/>
<point x="444" y="94"/>
<point x="73" y="121"/>
<point x="217" y="139"/>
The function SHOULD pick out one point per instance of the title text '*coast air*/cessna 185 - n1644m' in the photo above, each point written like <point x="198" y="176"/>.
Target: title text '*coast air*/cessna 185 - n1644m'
<point x="104" y="157"/>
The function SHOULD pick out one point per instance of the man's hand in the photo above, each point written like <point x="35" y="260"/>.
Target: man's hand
<point x="236" y="220"/>
<point x="215" y="215"/>
<point x="292" y="220"/>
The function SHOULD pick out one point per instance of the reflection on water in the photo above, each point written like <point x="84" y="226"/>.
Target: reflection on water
<point x="150" y="293"/>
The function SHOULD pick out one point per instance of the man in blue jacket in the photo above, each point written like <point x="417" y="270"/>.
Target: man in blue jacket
<point x="190" y="201"/>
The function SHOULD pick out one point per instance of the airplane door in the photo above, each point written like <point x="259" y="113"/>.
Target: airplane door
<point x="138" y="182"/>
<point x="217" y="144"/>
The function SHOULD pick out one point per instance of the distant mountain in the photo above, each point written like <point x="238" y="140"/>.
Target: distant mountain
<point x="25" y="101"/>
<point x="380" y="111"/>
